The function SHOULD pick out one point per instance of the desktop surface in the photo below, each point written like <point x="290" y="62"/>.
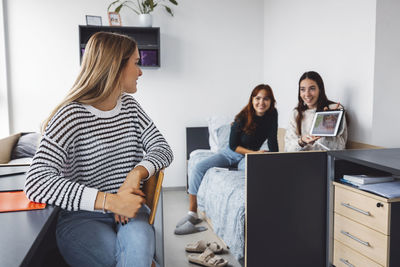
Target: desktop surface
<point x="20" y="234"/>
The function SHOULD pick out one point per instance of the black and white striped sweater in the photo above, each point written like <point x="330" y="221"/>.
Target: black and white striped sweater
<point x="85" y="150"/>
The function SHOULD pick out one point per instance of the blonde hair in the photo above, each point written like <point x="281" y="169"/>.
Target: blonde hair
<point x="105" y="56"/>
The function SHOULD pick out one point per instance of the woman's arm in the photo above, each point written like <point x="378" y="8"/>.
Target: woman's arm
<point x="291" y="136"/>
<point x="273" y="133"/>
<point x="158" y="153"/>
<point x="45" y="184"/>
<point x="243" y="151"/>
<point x="125" y="203"/>
<point x="234" y="136"/>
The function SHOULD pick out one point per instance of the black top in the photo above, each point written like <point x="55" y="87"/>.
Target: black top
<point x="266" y="128"/>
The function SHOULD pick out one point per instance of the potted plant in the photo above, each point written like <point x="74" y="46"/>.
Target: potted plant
<point x="141" y="7"/>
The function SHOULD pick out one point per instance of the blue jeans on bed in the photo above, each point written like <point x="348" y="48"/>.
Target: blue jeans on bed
<point x="89" y="238"/>
<point x="224" y="158"/>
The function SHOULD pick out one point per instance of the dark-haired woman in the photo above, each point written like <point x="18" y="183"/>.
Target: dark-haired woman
<point x="255" y="123"/>
<point x="312" y="98"/>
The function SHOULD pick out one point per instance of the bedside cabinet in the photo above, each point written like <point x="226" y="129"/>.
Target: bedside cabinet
<point x="366" y="228"/>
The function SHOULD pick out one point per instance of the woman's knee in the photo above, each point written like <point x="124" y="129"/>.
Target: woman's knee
<point x="136" y="241"/>
<point x="76" y="251"/>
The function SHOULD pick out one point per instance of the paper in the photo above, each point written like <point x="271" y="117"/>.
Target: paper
<point x="388" y="190"/>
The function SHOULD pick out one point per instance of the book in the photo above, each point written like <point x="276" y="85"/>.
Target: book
<point x="152" y="190"/>
<point x="366" y="179"/>
<point x="17" y="201"/>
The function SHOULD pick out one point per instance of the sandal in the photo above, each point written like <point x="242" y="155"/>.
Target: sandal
<point x="201" y="245"/>
<point x="208" y="259"/>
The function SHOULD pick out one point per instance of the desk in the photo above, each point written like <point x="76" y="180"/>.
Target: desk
<point x="21" y="233"/>
<point x="289" y="204"/>
<point x="27" y="238"/>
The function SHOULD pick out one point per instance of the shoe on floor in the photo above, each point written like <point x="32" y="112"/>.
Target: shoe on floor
<point x="207" y="258"/>
<point x="188" y="228"/>
<point x="189" y="218"/>
<point x="201" y="245"/>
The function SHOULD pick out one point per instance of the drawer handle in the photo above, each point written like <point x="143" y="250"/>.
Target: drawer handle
<point x="346" y="262"/>
<point x="356" y="209"/>
<point x="355" y="238"/>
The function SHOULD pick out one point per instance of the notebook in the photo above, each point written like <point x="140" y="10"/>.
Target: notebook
<point x="367" y="179"/>
<point x="17" y="201"/>
<point x="152" y="190"/>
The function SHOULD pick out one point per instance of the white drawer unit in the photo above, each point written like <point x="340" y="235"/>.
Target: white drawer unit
<point x="366" y="228"/>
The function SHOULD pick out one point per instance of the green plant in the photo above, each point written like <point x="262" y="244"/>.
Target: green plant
<point x="142" y="6"/>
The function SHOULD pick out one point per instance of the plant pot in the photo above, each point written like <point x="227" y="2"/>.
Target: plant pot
<point x="145" y="20"/>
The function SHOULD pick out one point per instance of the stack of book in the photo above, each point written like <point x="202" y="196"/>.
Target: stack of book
<point x="362" y="179"/>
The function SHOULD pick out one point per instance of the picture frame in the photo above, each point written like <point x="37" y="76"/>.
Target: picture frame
<point x="114" y="18"/>
<point x="326" y="123"/>
<point x="93" y="20"/>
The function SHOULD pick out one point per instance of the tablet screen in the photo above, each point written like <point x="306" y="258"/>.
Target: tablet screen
<point x="326" y="123"/>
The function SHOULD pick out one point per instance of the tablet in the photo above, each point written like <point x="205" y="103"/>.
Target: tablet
<point x="326" y="123"/>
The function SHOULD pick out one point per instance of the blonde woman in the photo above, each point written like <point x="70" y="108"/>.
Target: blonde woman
<point x="98" y="146"/>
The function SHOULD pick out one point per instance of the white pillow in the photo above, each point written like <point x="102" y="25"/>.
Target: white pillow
<point x="223" y="134"/>
<point x="214" y="122"/>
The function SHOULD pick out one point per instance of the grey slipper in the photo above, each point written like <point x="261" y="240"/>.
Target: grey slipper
<point x="189" y="228"/>
<point x="189" y="218"/>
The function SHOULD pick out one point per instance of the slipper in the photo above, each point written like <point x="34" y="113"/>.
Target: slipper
<point x="189" y="228"/>
<point x="201" y="245"/>
<point x="207" y="258"/>
<point x="189" y="218"/>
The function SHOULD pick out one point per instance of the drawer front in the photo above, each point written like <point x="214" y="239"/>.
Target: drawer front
<point x="343" y="256"/>
<point x="366" y="241"/>
<point x="362" y="209"/>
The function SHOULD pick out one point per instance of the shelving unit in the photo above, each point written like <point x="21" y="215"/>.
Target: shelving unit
<point x="147" y="38"/>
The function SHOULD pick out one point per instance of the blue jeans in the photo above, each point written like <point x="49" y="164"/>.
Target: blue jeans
<point x="89" y="238"/>
<point x="225" y="158"/>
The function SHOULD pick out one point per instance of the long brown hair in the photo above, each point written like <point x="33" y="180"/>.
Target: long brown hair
<point x="106" y="54"/>
<point x="247" y="113"/>
<point x="322" y="101"/>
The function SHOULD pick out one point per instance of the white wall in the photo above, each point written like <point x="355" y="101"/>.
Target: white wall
<point x="4" y="122"/>
<point x="211" y="57"/>
<point x="386" y="123"/>
<point x="334" y="38"/>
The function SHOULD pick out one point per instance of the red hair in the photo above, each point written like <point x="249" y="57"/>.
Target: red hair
<point x="247" y="113"/>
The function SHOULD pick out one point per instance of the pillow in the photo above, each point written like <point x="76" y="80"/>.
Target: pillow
<point x="26" y="146"/>
<point x="214" y="123"/>
<point x="223" y="134"/>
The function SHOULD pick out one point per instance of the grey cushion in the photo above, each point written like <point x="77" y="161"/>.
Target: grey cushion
<point x="26" y="146"/>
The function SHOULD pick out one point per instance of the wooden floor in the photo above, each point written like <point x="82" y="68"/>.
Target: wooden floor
<point x="176" y="203"/>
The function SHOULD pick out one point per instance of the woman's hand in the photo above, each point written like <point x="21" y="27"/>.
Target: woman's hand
<point x="309" y="139"/>
<point x="337" y="107"/>
<point x="125" y="204"/>
<point x="132" y="181"/>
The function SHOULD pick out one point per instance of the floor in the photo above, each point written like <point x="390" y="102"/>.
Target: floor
<point x="176" y="204"/>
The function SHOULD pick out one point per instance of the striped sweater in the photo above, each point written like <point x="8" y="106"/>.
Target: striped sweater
<point x="85" y="150"/>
